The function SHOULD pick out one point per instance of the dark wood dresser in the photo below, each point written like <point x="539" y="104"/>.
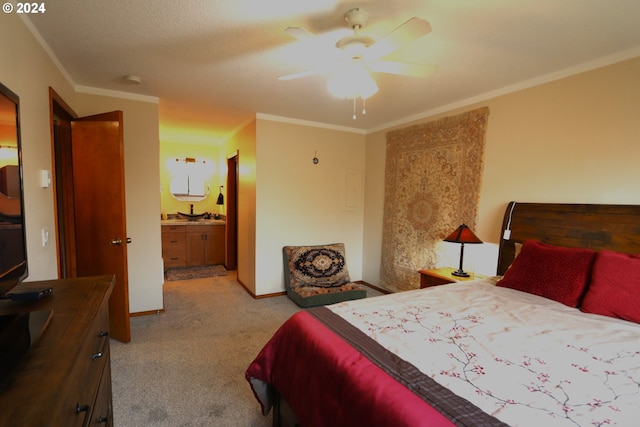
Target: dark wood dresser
<point x="65" y="377"/>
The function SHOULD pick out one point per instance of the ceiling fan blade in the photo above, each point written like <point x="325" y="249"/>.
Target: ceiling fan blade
<point x="407" y="32"/>
<point x="307" y="73"/>
<point x="298" y="33"/>
<point x="403" y="68"/>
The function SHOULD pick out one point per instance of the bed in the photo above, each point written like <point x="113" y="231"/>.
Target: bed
<point x="553" y="339"/>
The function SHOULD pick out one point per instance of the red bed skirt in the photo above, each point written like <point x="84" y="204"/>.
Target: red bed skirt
<point x="326" y="382"/>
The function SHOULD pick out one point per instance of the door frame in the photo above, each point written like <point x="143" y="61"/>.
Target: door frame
<point x="64" y="185"/>
<point x="61" y="114"/>
<point x="231" y="235"/>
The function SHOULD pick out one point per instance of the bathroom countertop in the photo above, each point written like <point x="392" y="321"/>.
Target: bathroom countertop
<point x="190" y="222"/>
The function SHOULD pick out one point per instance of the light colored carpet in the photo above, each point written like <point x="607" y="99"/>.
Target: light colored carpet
<point x="185" y="367"/>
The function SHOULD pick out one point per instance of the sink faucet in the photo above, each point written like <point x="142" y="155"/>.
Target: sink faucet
<point x="191" y="212"/>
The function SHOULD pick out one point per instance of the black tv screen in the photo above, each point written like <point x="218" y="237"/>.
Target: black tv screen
<point x="13" y="251"/>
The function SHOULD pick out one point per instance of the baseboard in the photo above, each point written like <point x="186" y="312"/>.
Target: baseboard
<point x="146" y="313"/>
<point x="275" y="294"/>
<point x="254" y="296"/>
<point x="376" y="288"/>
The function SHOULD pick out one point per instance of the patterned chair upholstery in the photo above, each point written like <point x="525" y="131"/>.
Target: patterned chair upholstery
<point x="318" y="275"/>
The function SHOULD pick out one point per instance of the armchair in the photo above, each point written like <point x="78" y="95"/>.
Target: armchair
<point x="318" y="275"/>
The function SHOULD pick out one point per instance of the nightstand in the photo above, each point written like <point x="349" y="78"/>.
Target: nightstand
<point x="442" y="276"/>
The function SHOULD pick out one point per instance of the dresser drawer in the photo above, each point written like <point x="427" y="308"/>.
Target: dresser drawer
<point x="102" y="414"/>
<point x="59" y="382"/>
<point x="89" y="368"/>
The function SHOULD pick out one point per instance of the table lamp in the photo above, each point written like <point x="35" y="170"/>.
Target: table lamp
<point x="462" y="235"/>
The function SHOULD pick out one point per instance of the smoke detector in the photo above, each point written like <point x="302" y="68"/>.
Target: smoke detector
<point x="133" y="79"/>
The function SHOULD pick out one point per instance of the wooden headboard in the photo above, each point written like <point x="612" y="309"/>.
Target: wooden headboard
<point x="614" y="227"/>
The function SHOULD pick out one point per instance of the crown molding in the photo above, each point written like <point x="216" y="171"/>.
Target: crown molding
<point x="536" y="81"/>
<point x="117" y="94"/>
<point x="310" y="123"/>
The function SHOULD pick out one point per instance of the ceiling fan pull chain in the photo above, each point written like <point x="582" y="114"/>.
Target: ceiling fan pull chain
<point x="354" y="107"/>
<point x="364" y="106"/>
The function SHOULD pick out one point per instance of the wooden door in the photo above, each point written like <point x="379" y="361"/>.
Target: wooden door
<point x="97" y="147"/>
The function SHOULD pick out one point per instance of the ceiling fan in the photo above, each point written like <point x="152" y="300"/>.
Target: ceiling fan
<point x="365" y="52"/>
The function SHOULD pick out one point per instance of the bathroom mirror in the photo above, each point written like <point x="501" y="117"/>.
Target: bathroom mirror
<point x="189" y="179"/>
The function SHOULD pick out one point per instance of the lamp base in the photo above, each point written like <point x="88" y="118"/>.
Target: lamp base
<point x="460" y="273"/>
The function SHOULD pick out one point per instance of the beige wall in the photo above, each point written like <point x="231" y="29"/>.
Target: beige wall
<point x="27" y="71"/>
<point x="285" y="199"/>
<point x="141" y="164"/>
<point x="301" y="203"/>
<point x="574" y="140"/>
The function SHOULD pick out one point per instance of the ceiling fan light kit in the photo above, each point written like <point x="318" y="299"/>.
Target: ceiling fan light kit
<point x="363" y="55"/>
<point x="352" y="83"/>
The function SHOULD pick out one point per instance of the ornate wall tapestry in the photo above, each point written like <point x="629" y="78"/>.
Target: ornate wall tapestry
<point x="432" y="185"/>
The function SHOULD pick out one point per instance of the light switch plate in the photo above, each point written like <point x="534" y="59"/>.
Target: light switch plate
<point x="45" y="237"/>
<point x="45" y="178"/>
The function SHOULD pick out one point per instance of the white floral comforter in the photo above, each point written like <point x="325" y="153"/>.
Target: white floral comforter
<point x="526" y="360"/>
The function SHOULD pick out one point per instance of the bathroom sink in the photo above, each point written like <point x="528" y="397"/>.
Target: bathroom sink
<point x="192" y="217"/>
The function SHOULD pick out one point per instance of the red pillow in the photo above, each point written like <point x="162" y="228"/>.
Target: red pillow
<point x="553" y="272"/>
<point x="615" y="286"/>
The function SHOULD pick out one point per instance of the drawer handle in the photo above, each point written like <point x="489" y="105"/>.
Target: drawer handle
<point x="103" y="420"/>
<point x="98" y="355"/>
<point x="81" y="408"/>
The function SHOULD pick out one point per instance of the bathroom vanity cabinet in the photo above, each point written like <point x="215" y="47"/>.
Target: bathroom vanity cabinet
<point x="193" y="244"/>
<point x="205" y="245"/>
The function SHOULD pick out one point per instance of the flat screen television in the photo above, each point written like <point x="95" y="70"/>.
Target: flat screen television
<point x="13" y="250"/>
<point x="19" y="329"/>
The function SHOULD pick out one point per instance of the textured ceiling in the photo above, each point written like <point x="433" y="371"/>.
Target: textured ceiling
<point x="214" y="64"/>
